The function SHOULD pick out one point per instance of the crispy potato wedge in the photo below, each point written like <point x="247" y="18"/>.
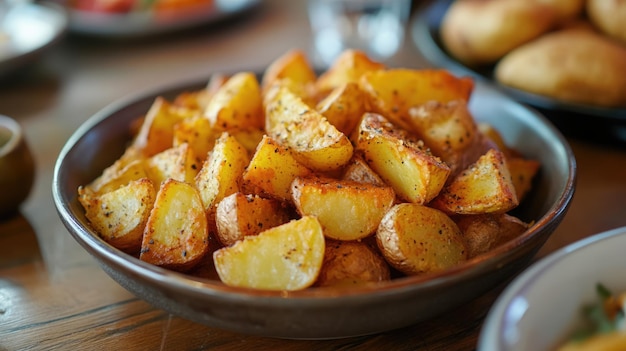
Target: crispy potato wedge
<point x="178" y="163"/>
<point x="484" y="187"/>
<point x="350" y="263"/>
<point x="239" y="215"/>
<point x="176" y="233"/>
<point x="449" y="130"/>
<point x="198" y="133"/>
<point x="347" y="210"/>
<point x="287" y="257"/>
<point x="293" y="66"/>
<point x="344" y="107"/>
<point x="402" y="162"/>
<point x="347" y="68"/>
<point x="157" y="129"/>
<point x="249" y="138"/>
<point x="120" y="215"/>
<point x="522" y="173"/>
<point x="393" y="92"/>
<point x="417" y="239"/>
<point x="484" y="232"/>
<point x="130" y="155"/>
<point x="221" y="173"/>
<point x="200" y="99"/>
<point x="237" y="104"/>
<point x="313" y="140"/>
<point x="271" y="171"/>
<point x="359" y="171"/>
<point x="134" y="170"/>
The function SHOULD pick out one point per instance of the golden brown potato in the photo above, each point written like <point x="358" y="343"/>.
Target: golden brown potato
<point x="120" y="215"/>
<point x="451" y="133"/>
<point x="198" y="133"/>
<point x="350" y="263"/>
<point x="393" y="92"/>
<point x="314" y="142"/>
<point x="293" y="66"/>
<point x="176" y="233"/>
<point x="403" y="163"/>
<point x="609" y="17"/>
<point x="271" y="170"/>
<point x="359" y="171"/>
<point x="176" y="162"/>
<point x="200" y="99"/>
<point x="417" y="239"/>
<point x="566" y="9"/>
<point x="287" y="257"/>
<point x="237" y="104"/>
<point x="347" y="68"/>
<point x="551" y="66"/>
<point x="344" y="107"/>
<point x="239" y="215"/>
<point x="484" y="187"/>
<point x="157" y="129"/>
<point x="485" y="232"/>
<point x="522" y="173"/>
<point x="346" y="210"/>
<point x="479" y="32"/>
<point x="134" y="170"/>
<point x="221" y="173"/>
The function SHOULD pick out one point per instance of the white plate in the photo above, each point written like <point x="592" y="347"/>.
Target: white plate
<point x="543" y="305"/>
<point x="145" y="23"/>
<point x="26" y="31"/>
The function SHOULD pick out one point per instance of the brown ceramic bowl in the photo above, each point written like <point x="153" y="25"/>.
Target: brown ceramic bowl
<point x="318" y="313"/>
<point x="17" y="168"/>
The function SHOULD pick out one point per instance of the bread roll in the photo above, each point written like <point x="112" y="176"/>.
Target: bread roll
<point x="609" y="16"/>
<point x="482" y="31"/>
<point x="574" y="65"/>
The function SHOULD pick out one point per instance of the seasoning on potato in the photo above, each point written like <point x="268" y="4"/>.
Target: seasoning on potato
<point x="294" y="181"/>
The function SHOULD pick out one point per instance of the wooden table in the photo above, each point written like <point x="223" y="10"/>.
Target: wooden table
<point x="52" y="293"/>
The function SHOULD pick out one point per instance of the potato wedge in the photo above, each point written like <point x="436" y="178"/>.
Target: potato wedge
<point x="221" y="173"/>
<point x="484" y="187"/>
<point x="157" y="130"/>
<point x="344" y="107"/>
<point x="415" y="175"/>
<point x="522" y="173"/>
<point x="120" y="215"/>
<point x="176" y="233"/>
<point x="359" y="171"/>
<point x="350" y="263"/>
<point x="347" y="68"/>
<point x="198" y="133"/>
<point x="239" y="215"/>
<point x="287" y="257"/>
<point x="485" y="232"/>
<point x="346" y="210"/>
<point x="237" y="104"/>
<point x="271" y="171"/>
<point x="293" y="65"/>
<point x="417" y="239"/>
<point x="313" y="140"/>
<point x="135" y="170"/>
<point x="178" y="163"/>
<point x="449" y="130"/>
<point x="393" y="92"/>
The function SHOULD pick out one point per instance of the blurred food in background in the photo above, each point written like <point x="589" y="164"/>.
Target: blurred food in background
<point x="571" y="50"/>
<point x="127" y="6"/>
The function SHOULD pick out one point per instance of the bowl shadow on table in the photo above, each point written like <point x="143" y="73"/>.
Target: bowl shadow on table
<point x="18" y="241"/>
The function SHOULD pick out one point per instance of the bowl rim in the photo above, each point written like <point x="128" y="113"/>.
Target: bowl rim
<point x="489" y="338"/>
<point x="317" y="295"/>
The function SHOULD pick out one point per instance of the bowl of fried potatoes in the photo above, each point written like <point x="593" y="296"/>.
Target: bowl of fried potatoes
<point x="300" y="204"/>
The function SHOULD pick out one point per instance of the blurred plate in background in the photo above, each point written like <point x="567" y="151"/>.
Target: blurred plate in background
<point x="141" y="23"/>
<point x="26" y="31"/>
<point x="585" y="121"/>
